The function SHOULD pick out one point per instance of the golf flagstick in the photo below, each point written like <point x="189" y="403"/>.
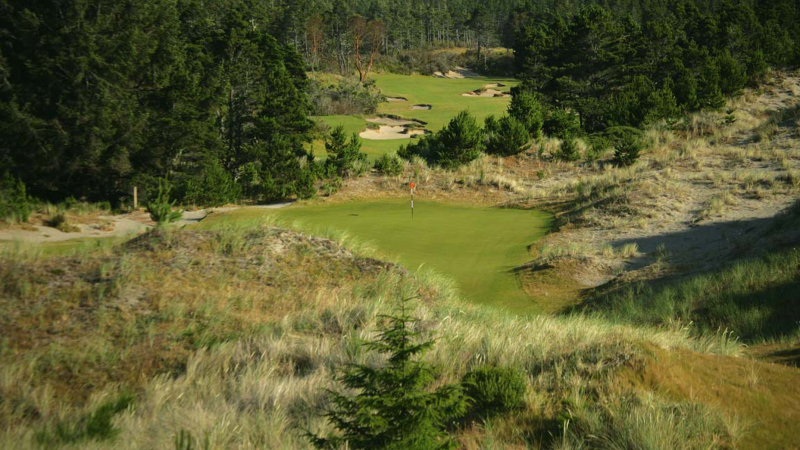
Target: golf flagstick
<point x="412" y="199"/>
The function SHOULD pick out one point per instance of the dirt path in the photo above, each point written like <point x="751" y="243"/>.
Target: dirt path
<point x="121" y="225"/>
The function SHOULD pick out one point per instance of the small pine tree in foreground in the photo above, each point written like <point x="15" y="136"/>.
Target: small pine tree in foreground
<point x="627" y="150"/>
<point x="393" y="407"/>
<point x="160" y="208"/>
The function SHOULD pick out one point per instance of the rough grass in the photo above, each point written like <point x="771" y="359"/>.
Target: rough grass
<point x="755" y="299"/>
<point x="230" y="336"/>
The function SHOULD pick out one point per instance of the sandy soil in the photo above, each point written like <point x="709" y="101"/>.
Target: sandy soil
<point x="396" y="99"/>
<point x="457" y="73"/>
<point x="122" y="225"/>
<point x="664" y="214"/>
<point x="423" y="107"/>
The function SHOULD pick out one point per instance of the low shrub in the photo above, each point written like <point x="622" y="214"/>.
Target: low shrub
<point x="160" y="208"/>
<point x="627" y="150"/>
<point x="344" y="96"/>
<point x="569" y="149"/>
<point x="459" y="143"/>
<point x="15" y="205"/>
<point x="389" y="165"/>
<point x="561" y="123"/>
<point x="494" y="390"/>
<point x="505" y="137"/>
<point x="60" y="223"/>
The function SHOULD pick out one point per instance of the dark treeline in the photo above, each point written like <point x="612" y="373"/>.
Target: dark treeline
<point x="321" y="30"/>
<point x="97" y="96"/>
<point x="614" y="70"/>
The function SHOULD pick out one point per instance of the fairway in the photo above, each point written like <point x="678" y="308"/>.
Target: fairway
<point x="476" y="246"/>
<point x="443" y="94"/>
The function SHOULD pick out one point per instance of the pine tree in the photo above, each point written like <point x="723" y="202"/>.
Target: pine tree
<point x="527" y="109"/>
<point x="345" y="157"/>
<point x="394" y="407"/>
<point x="458" y="143"/>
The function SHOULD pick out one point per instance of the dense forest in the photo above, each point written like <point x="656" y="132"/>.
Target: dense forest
<point x="98" y="96"/>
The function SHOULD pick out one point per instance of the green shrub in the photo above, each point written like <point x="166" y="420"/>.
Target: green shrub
<point x="59" y="222"/>
<point x="455" y="145"/>
<point x="569" y="149"/>
<point x="15" y="205"/>
<point x="494" y="390"/>
<point x="560" y="123"/>
<point x="304" y="186"/>
<point x="393" y="406"/>
<point x="331" y="186"/>
<point x="214" y="187"/>
<point x="345" y="157"/>
<point x="526" y="108"/>
<point x="627" y="150"/>
<point x="160" y="208"/>
<point x="389" y="165"/>
<point x="505" y="137"/>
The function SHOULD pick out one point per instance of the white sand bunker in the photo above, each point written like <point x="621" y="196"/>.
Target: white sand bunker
<point x="423" y="107"/>
<point x="385" y="132"/>
<point x="396" y="99"/>
<point x="493" y="85"/>
<point x="393" y="121"/>
<point x="457" y="73"/>
<point x="486" y="93"/>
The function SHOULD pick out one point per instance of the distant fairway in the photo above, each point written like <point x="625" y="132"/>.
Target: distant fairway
<point x="476" y="246"/>
<point x="443" y="94"/>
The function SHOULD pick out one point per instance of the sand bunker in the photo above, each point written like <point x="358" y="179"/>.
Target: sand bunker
<point x="396" y="99"/>
<point x="391" y="132"/>
<point x="486" y="93"/>
<point x="493" y="85"/>
<point x="390" y="121"/>
<point x="457" y="73"/>
<point x="424" y="107"/>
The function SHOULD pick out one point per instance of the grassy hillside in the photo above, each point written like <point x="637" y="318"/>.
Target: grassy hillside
<point x="230" y="335"/>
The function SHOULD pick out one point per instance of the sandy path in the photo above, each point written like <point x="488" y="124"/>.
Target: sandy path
<point x="114" y="226"/>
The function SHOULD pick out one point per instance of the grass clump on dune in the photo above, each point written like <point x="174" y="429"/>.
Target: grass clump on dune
<point x="754" y="299"/>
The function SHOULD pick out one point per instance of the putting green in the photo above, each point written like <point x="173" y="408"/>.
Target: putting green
<point x="443" y="94"/>
<point x="476" y="246"/>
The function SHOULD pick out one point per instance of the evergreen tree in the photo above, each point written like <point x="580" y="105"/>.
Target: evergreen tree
<point x="527" y="109"/>
<point x="458" y="143"/>
<point x="393" y="406"/>
<point x="505" y="137"/>
<point x="345" y="157"/>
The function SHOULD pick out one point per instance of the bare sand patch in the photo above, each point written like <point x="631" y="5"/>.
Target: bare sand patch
<point x="390" y="121"/>
<point x="457" y="73"/>
<point x="493" y="85"/>
<point x="385" y="132"/>
<point x="422" y="107"/>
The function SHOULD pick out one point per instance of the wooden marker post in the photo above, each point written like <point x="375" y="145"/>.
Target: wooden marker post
<point x="135" y="198"/>
<point x="412" y="199"/>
